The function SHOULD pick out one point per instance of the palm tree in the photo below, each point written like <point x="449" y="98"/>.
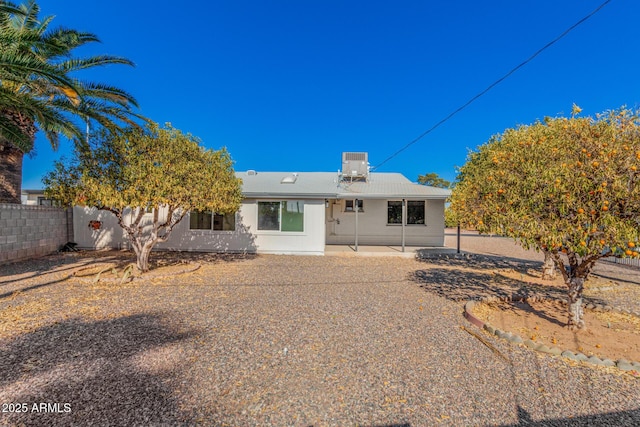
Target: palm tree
<point x="38" y="90"/>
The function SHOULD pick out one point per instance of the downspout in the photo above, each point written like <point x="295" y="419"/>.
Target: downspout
<point x="404" y="220"/>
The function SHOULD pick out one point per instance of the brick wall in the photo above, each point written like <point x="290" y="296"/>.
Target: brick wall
<point x="32" y="231"/>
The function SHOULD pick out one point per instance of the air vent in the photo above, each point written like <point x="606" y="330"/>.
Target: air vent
<point x="360" y="157"/>
<point x="355" y="166"/>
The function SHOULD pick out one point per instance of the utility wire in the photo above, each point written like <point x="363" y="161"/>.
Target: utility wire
<point x="492" y="85"/>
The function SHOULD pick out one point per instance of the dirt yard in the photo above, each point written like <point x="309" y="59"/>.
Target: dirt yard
<point x="608" y="335"/>
<point x="290" y="340"/>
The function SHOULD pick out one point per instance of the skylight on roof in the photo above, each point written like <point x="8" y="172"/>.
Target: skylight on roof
<point x="289" y="179"/>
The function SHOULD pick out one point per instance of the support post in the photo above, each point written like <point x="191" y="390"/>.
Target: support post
<point x="355" y="206"/>
<point x="404" y="220"/>
<point x="458" y="251"/>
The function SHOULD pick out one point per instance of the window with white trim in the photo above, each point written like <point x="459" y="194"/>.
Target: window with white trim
<point x="415" y="212"/>
<point x="212" y="221"/>
<point x="285" y="216"/>
<point x="394" y="212"/>
<point x="348" y="206"/>
<point x="43" y="201"/>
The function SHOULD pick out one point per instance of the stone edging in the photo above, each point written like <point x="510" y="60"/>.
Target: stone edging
<point x="189" y="268"/>
<point x="622" y="364"/>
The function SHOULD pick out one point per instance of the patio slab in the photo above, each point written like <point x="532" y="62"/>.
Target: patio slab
<point x="377" y="251"/>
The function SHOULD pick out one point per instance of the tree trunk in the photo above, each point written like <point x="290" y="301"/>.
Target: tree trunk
<point x="142" y="246"/>
<point x="10" y="174"/>
<point x="576" y="320"/>
<point x="549" y="267"/>
<point x="143" y="258"/>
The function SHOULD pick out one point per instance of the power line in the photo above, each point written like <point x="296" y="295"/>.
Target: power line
<point x="492" y="85"/>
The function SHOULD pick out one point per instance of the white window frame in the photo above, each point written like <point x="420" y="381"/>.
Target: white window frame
<point x="212" y="229"/>
<point x="347" y="209"/>
<point x="394" y="223"/>
<point x="43" y="201"/>
<point x="424" y="213"/>
<point x="399" y="224"/>
<point x="279" y="231"/>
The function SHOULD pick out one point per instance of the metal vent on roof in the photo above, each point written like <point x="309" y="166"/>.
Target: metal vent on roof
<point x="251" y="172"/>
<point x="355" y="166"/>
<point x="355" y="156"/>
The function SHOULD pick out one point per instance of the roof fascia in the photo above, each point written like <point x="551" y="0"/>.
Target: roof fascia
<point x="341" y="196"/>
<point x="389" y="197"/>
<point x="264" y="195"/>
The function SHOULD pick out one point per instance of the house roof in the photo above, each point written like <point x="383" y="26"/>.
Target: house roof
<point x="32" y="192"/>
<point x="326" y="185"/>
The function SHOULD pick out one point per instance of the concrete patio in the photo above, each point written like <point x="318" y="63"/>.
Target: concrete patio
<point x="396" y="251"/>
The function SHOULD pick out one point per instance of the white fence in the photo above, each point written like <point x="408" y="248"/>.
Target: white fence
<point x="633" y="262"/>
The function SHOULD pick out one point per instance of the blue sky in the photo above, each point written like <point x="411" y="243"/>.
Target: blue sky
<point x="289" y="85"/>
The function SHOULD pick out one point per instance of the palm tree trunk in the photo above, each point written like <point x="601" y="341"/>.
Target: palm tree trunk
<point x="11" y="157"/>
<point x="10" y="174"/>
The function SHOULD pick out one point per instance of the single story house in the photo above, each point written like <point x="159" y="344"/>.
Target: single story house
<point x="35" y="198"/>
<point x="299" y="213"/>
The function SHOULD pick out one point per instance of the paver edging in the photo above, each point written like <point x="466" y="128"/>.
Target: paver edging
<point x="624" y="365"/>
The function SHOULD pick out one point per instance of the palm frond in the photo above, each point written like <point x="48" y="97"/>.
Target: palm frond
<point x="95" y="61"/>
<point x="36" y="64"/>
<point x="106" y="92"/>
<point x="70" y="38"/>
<point x="20" y="68"/>
<point x="29" y="16"/>
<point x="9" y="8"/>
<point x="10" y="133"/>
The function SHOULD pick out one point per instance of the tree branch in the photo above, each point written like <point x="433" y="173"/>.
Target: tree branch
<point x="560" y="264"/>
<point x="169" y="227"/>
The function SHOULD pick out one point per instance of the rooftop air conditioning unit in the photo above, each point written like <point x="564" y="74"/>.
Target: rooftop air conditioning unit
<point x="355" y="166"/>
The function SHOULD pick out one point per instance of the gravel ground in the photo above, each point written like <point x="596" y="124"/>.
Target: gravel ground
<point x="499" y="252"/>
<point x="284" y="340"/>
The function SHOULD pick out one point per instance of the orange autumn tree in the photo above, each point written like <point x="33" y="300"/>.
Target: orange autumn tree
<point x="150" y="179"/>
<point x="566" y="186"/>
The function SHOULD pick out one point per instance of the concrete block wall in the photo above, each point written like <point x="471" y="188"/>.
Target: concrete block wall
<point x="32" y="231"/>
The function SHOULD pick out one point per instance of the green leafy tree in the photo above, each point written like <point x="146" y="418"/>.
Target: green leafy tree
<point x="38" y="92"/>
<point x="156" y="174"/>
<point x="450" y="219"/>
<point x="15" y="67"/>
<point x="432" y="179"/>
<point x="567" y="186"/>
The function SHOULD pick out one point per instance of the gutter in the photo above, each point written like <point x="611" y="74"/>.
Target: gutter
<point x="342" y="196"/>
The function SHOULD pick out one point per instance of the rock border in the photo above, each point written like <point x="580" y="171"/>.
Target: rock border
<point x="426" y="255"/>
<point x="189" y="268"/>
<point x="631" y="367"/>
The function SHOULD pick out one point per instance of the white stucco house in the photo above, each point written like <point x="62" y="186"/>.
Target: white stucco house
<point x="35" y="198"/>
<point x="299" y="213"/>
